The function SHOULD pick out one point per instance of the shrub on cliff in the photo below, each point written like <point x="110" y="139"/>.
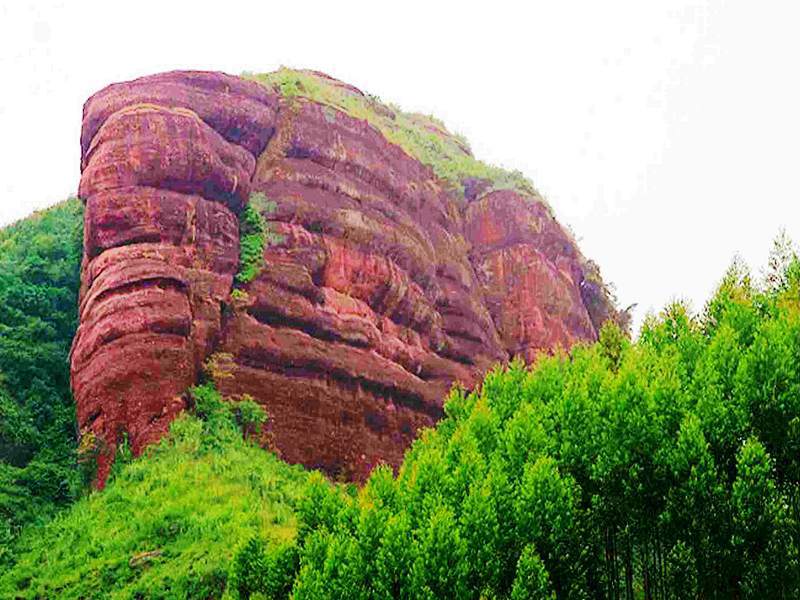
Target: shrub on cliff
<point x="252" y="231"/>
<point x="254" y="235"/>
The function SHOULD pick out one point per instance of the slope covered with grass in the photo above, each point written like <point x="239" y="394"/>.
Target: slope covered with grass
<point x="169" y="522"/>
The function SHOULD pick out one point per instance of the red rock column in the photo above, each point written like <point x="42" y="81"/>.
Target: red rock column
<point x="166" y="165"/>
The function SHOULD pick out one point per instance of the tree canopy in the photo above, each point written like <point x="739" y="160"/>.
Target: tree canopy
<point x="664" y="468"/>
<point x="40" y="261"/>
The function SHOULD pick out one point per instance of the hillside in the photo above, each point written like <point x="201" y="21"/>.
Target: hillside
<point x="664" y="468"/>
<point x="39" y="277"/>
<point x="340" y="261"/>
<point x="661" y="469"/>
<point x="169" y="523"/>
<point x="320" y="351"/>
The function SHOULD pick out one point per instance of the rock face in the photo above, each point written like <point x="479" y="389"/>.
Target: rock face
<point x="386" y="287"/>
<point x="166" y="162"/>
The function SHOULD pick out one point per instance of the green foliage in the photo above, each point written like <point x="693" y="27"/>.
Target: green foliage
<point x="214" y="412"/>
<point x="531" y="582"/>
<point x="657" y="469"/>
<point x="613" y="342"/>
<point x="758" y="525"/>
<point x="40" y="259"/>
<point x="170" y="522"/>
<point x="421" y="136"/>
<point x="250" y="416"/>
<point x="248" y="568"/>
<point x="254" y="236"/>
<point x="269" y="572"/>
<point x="122" y="456"/>
<point x="252" y="239"/>
<point x="781" y="264"/>
<point x="440" y="567"/>
<point x="224" y="419"/>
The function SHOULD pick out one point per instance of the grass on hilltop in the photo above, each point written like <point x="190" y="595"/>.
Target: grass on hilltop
<point x="422" y="136"/>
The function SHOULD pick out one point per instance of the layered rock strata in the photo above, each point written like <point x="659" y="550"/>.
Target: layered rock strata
<point x="166" y="164"/>
<point x="385" y="289"/>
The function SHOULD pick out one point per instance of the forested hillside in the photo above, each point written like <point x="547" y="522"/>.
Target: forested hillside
<point x="40" y="261"/>
<point x="667" y="467"/>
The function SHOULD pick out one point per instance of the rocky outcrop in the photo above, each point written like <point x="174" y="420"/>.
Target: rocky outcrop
<point x="530" y="274"/>
<point x="166" y="163"/>
<point x="386" y="286"/>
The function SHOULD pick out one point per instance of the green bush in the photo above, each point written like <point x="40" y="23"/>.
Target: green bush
<point x="250" y="416"/>
<point x="249" y="568"/>
<point x="251" y="244"/>
<point x="265" y="571"/>
<point x="531" y="582"/>
<point x="254" y="235"/>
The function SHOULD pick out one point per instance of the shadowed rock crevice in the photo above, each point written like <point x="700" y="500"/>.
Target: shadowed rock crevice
<point x="386" y="285"/>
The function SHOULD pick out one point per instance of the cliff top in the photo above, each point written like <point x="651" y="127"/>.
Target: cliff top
<point x="424" y="137"/>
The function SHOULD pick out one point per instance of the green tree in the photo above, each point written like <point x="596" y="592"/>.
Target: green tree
<point x="531" y="582"/>
<point x="440" y="570"/>
<point x="545" y="514"/>
<point x="395" y="559"/>
<point x="756" y="510"/>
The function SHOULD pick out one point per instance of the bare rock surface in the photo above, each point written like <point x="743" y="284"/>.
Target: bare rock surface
<point x="386" y="287"/>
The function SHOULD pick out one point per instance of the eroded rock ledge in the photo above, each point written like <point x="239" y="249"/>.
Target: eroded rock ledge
<point x="386" y="288"/>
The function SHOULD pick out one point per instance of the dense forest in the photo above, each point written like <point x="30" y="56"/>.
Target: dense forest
<point x="666" y="467"/>
<point x="40" y="261"/>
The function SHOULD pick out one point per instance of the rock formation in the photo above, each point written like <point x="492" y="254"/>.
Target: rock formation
<point x="387" y="284"/>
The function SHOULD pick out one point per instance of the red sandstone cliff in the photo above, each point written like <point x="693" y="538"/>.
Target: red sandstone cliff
<point x="388" y="285"/>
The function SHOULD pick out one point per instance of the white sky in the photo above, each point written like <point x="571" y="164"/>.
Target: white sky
<point x="665" y="134"/>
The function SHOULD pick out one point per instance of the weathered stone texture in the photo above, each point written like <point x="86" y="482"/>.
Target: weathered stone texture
<point x="384" y="289"/>
<point x="167" y="160"/>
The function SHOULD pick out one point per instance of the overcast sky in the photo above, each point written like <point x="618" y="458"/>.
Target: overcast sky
<point x="665" y="134"/>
